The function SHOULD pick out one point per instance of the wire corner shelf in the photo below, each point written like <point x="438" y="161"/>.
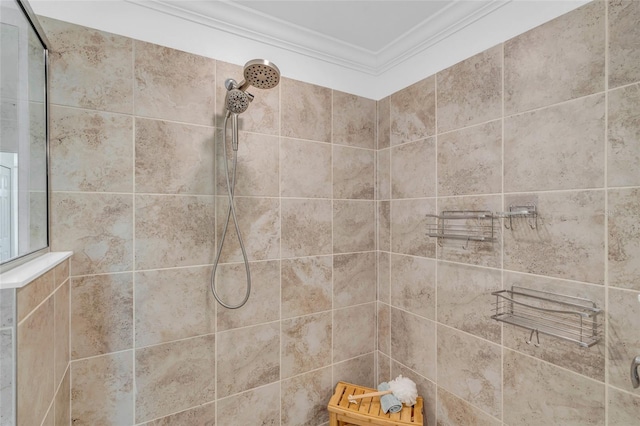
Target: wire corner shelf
<point x="569" y="318"/>
<point x="469" y="225"/>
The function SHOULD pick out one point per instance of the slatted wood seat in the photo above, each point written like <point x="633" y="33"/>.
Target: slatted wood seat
<point x="368" y="412"/>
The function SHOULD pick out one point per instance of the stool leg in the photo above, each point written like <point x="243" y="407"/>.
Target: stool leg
<point x="333" y="419"/>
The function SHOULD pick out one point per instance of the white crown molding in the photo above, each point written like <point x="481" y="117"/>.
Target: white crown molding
<point x="485" y="27"/>
<point x="248" y="23"/>
<point x="244" y="22"/>
<point x="435" y="29"/>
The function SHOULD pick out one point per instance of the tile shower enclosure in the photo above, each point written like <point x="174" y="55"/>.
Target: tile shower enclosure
<point x="332" y="195"/>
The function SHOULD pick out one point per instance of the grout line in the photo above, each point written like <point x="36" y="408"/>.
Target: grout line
<point x="606" y="215"/>
<point x="502" y="248"/>
<point x="437" y="246"/>
<point x="280" y="240"/>
<point x="133" y="255"/>
<point x="151" y="421"/>
<point x="69" y="343"/>
<point x="214" y="178"/>
<point x="333" y="310"/>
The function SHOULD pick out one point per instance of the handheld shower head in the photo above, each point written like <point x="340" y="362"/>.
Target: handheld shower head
<point x="237" y="101"/>
<point x="260" y="73"/>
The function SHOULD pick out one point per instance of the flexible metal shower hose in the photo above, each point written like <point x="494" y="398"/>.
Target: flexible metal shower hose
<point x="231" y="213"/>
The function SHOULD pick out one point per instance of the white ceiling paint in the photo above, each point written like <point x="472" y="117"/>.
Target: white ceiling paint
<point x="368" y="48"/>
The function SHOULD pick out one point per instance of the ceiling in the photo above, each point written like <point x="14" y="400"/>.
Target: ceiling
<point x="368" y="47"/>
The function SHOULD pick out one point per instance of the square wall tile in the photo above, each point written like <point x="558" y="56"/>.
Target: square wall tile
<point x="305" y="343"/>
<point x="35" y="367"/>
<point x="538" y="393"/>
<point x="306" y="227"/>
<point x="7" y="382"/>
<point x="623" y="150"/>
<point x="90" y="151"/>
<point x="263" y="304"/>
<point x="162" y="296"/>
<point x="61" y="332"/>
<point x="354" y="331"/>
<point x="304" y="398"/>
<point x="359" y="370"/>
<point x="354" y="120"/>
<point x="557" y="61"/>
<point x="89" y="68"/>
<point x="560" y="147"/>
<point x="174" y="376"/>
<point x="61" y="273"/>
<point x="413" y="285"/>
<point x="174" y="85"/>
<point x="354" y="226"/>
<point x="259" y="222"/>
<point x="305" y="169"/>
<point x="624" y="238"/>
<point x="383" y="174"/>
<point x="481" y="385"/>
<point x="384" y="277"/>
<point x="7" y="307"/>
<point x="62" y="401"/>
<point x="262" y="116"/>
<point x="470" y="92"/>
<point x="623" y="408"/>
<point x="383" y="110"/>
<point x="623" y="344"/>
<point x="413" y="342"/>
<point x="413" y="169"/>
<point x="98" y="228"/>
<point x="258" y="167"/>
<point x="248" y="357"/>
<point x="354" y="279"/>
<point x="174" y="158"/>
<point x="101" y="314"/>
<point x="470" y="160"/>
<point x="413" y="112"/>
<point x="453" y="410"/>
<point x="353" y="173"/>
<point x="568" y="241"/>
<point x="464" y="299"/>
<point x="306" y="110"/>
<point x="384" y="225"/>
<point x="264" y="403"/>
<point x="384" y="368"/>
<point x="624" y="53"/>
<point x="174" y="230"/>
<point x="384" y="328"/>
<point x="306" y="285"/>
<point x="30" y="296"/>
<point x="409" y="227"/>
<point x="102" y="390"/>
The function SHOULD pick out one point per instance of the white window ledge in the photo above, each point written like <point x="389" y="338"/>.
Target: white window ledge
<point x="22" y="275"/>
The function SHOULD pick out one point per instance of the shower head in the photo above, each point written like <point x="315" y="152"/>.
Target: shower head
<point x="260" y="73"/>
<point x="237" y="101"/>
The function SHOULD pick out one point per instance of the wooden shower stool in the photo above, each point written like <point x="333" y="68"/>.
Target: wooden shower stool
<point x="368" y="412"/>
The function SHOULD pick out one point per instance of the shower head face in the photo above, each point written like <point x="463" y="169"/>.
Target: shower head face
<point x="237" y="101"/>
<point x="261" y="73"/>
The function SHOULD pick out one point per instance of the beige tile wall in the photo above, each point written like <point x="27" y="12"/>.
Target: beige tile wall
<point x="42" y="352"/>
<point x="139" y="195"/>
<point x="550" y="118"/>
